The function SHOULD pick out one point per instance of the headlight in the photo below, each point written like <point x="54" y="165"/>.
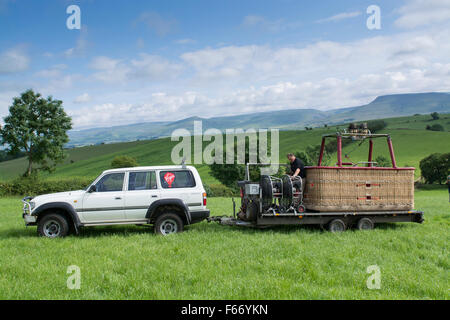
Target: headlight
<point x="32" y="205"/>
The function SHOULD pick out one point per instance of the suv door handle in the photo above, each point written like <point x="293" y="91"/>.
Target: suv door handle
<point x="117" y="198"/>
<point x="154" y="196"/>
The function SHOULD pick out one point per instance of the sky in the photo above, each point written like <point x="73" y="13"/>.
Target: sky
<point x="143" y="61"/>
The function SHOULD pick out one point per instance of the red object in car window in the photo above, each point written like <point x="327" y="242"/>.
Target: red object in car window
<point x="169" y="177"/>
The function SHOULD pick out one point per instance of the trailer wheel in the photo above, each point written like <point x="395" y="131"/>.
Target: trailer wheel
<point x="365" y="224"/>
<point x="336" y="225"/>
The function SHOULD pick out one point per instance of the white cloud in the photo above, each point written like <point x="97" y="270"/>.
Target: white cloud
<point x="146" y="66"/>
<point x="154" y="67"/>
<point x="80" y="46"/>
<point x="104" y="63"/>
<point x="13" y="60"/>
<point x="84" y="98"/>
<point x="340" y="16"/>
<point x="260" y="22"/>
<point x="418" y="13"/>
<point x="52" y="72"/>
<point x="185" y="41"/>
<point x="109" y="70"/>
<point x="140" y="43"/>
<point x="241" y="79"/>
<point x="155" y="22"/>
<point x="236" y="79"/>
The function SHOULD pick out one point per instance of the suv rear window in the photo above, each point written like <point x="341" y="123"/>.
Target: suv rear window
<point x="177" y="179"/>
<point x="142" y="181"/>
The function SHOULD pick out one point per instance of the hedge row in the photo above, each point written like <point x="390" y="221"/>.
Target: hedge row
<point x="219" y="190"/>
<point x="33" y="186"/>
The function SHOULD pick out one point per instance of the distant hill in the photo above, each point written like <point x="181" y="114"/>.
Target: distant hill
<point x="294" y="119"/>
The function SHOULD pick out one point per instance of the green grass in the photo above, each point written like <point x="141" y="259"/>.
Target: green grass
<point x="210" y="261"/>
<point x="419" y="122"/>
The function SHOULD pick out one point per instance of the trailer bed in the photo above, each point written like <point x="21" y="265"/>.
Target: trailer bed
<point x="321" y="218"/>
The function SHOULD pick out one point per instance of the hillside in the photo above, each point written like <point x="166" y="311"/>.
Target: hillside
<point x="382" y="107"/>
<point x="411" y="141"/>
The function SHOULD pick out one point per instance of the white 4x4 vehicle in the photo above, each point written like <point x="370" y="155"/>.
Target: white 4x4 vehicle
<point x="169" y="197"/>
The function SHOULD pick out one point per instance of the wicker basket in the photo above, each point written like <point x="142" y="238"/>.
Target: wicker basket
<point x="359" y="189"/>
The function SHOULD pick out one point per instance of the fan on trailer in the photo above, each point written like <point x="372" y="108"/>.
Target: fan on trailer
<point x="288" y="194"/>
<point x="266" y="186"/>
<point x="297" y="185"/>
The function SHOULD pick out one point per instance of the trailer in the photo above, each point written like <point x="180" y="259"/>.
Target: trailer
<point x="335" y="197"/>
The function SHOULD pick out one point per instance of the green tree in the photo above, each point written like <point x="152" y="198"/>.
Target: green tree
<point x="304" y="157"/>
<point x="435" y="167"/>
<point x="124" y="162"/>
<point x="229" y="174"/>
<point x="376" y="125"/>
<point x="435" y="116"/>
<point x="435" y="127"/>
<point x="38" y="127"/>
<point x="382" y="161"/>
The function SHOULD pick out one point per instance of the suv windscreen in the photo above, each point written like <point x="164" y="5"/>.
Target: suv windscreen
<point x="177" y="179"/>
<point x="110" y="182"/>
<point x="142" y="181"/>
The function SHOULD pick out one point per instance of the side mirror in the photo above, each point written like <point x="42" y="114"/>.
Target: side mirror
<point x="92" y="188"/>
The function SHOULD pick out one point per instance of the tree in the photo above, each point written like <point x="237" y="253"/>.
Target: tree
<point x="229" y="174"/>
<point x="124" y="162"/>
<point x="304" y="157"/>
<point x="376" y="125"/>
<point x="435" y="116"/>
<point x="382" y="161"/>
<point x="38" y="127"/>
<point x="435" y="167"/>
<point x="4" y="156"/>
<point x="435" y="127"/>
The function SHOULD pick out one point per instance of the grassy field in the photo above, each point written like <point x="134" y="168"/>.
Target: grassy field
<point x="210" y="261"/>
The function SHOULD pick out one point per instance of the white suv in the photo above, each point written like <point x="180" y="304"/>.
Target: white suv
<point x="169" y="197"/>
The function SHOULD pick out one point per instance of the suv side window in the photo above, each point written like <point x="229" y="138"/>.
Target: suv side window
<point x="177" y="179"/>
<point x="142" y="181"/>
<point x="110" y="182"/>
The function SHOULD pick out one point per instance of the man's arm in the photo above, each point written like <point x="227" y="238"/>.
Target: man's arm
<point x="296" y="173"/>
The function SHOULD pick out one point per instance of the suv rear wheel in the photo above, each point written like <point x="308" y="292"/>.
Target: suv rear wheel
<point x="53" y="226"/>
<point x="168" y="223"/>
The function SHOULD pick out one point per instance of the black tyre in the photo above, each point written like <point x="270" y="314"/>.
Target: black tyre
<point x="365" y="224"/>
<point x="168" y="223"/>
<point x="336" y="225"/>
<point x="53" y="226"/>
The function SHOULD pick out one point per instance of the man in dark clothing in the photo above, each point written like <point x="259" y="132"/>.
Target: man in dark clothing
<point x="297" y="166"/>
<point x="297" y="169"/>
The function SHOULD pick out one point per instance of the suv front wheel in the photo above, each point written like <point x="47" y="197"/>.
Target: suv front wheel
<point x="53" y="226"/>
<point x="168" y="223"/>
